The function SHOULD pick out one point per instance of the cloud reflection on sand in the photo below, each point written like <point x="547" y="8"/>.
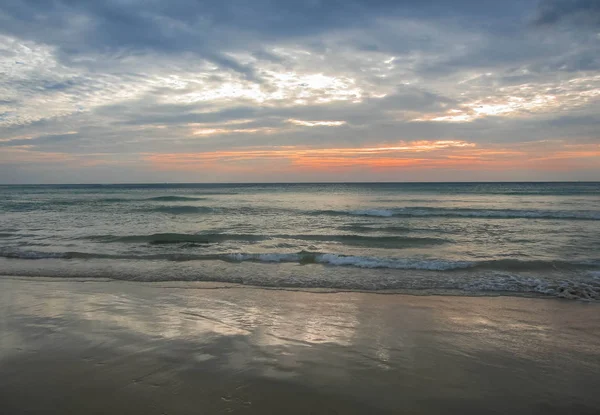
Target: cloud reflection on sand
<point x="178" y="333"/>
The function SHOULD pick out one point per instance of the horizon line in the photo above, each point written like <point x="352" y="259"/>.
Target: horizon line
<point x="286" y="183"/>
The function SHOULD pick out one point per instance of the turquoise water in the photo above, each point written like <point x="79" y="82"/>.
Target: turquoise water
<point x="460" y="238"/>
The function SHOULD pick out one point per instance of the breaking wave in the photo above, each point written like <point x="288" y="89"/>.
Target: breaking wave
<point x="306" y="257"/>
<point x="413" y="274"/>
<point x="211" y="238"/>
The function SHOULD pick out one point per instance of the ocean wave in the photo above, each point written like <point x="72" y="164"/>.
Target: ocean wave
<point x="48" y="204"/>
<point x="388" y="212"/>
<point x="218" y="193"/>
<point x="562" y="288"/>
<point x="426" y="275"/>
<point x="21" y="254"/>
<point x="210" y="238"/>
<point x="368" y="229"/>
<point x="385" y="213"/>
<point x="305" y="257"/>
<point x="466" y="213"/>
<point x="416" y="264"/>
<point x="535" y="265"/>
<point x="133" y="199"/>
<point x="373" y="212"/>
<point x="177" y="238"/>
<point x="179" y="210"/>
<point x="191" y="209"/>
<point x="23" y="206"/>
<point x="349" y="261"/>
<point x="434" y="277"/>
<point x="369" y="241"/>
<point x="106" y="200"/>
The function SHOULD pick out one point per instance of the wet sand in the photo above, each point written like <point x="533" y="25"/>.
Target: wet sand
<point x="182" y="348"/>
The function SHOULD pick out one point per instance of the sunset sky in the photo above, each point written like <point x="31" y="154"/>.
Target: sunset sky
<point x="317" y="90"/>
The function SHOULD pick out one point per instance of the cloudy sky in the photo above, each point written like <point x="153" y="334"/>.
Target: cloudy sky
<point x="313" y="90"/>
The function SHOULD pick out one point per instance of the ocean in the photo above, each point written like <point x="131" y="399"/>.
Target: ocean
<point x="526" y="239"/>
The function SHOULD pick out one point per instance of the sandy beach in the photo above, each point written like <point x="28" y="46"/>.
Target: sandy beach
<point x="99" y="347"/>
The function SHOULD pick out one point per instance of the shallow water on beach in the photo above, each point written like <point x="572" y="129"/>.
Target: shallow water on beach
<point x="470" y="238"/>
<point x="186" y="348"/>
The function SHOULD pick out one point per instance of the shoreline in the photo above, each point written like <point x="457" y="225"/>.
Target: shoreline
<point x="216" y="285"/>
<point x="136" y="348"/>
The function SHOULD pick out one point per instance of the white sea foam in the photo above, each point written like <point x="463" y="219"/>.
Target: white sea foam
<point x="594" y="274"/>
<point x="369" y="262"/>
<point x="354" y="272"/>
<point x="564" y="288"/>
<point x="354" y="261"/>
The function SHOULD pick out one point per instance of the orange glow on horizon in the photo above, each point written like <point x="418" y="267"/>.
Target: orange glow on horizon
<point x="441" y="154"/>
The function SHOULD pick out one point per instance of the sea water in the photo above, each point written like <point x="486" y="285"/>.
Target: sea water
<point x="429" y="238"/>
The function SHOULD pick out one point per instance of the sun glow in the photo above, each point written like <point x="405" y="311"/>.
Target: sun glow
<point x="438" y="154"/>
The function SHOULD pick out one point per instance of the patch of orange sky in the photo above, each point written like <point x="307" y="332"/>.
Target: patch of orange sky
<point x="441" y="154"/>
<point x="549" y="156"/>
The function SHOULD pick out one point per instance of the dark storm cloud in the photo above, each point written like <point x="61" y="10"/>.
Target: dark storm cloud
<point x="203" y="26"/>
<point x="210" y="29"/>
<point x="173" y="26"/>
<point x="577" y="12"/>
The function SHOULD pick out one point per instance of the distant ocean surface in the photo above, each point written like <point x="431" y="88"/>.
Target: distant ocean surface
<point x="433" y="238"/>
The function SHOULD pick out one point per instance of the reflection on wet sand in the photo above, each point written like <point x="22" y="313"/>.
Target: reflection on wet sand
<point x="183" y="346"/>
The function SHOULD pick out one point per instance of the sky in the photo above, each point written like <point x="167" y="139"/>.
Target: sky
<point x="131" y="91"/>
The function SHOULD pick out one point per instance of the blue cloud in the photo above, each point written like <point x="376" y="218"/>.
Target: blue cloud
<point x="574" y="12"/>
<point x="201" y="26"/>
<point x="142" y="76"/>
